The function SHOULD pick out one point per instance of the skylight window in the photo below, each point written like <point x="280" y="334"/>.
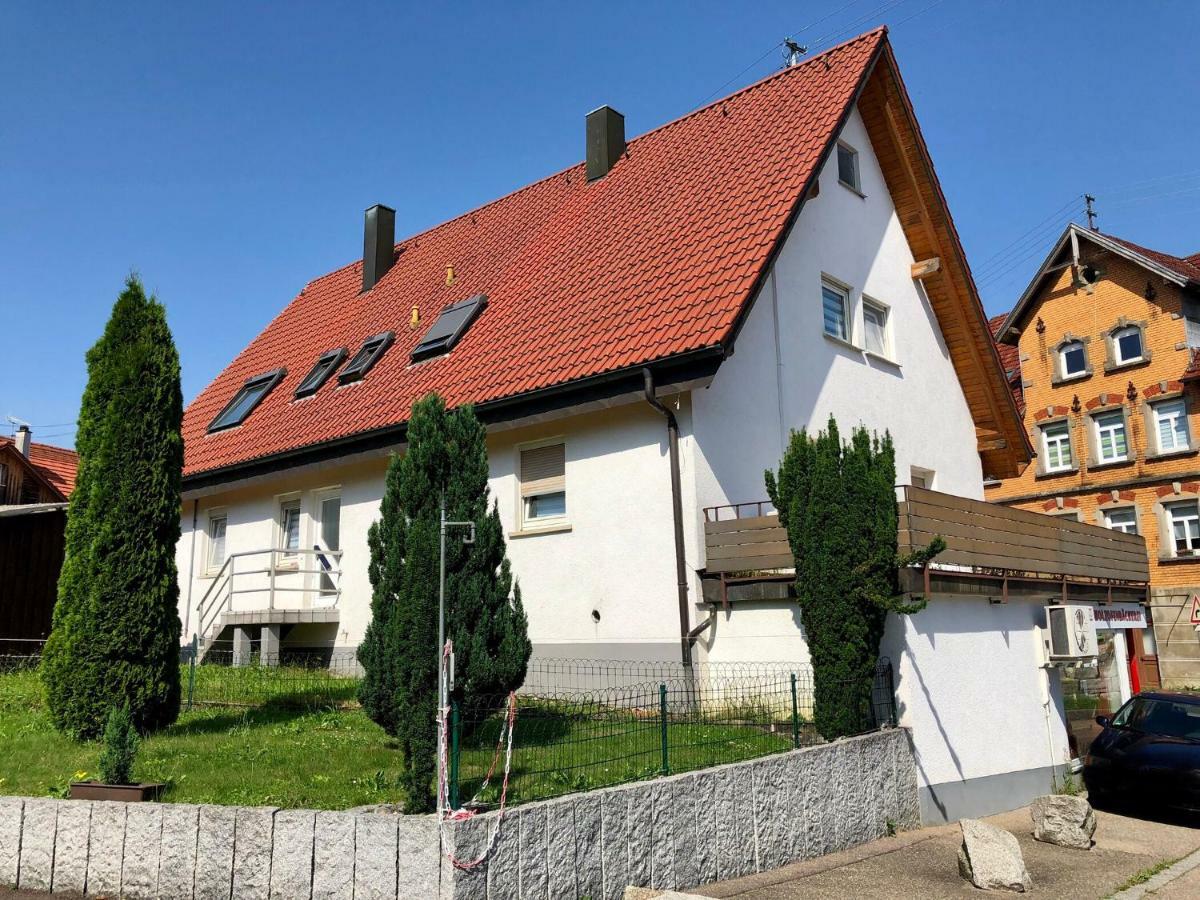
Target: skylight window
<point x="370" y="352"/>
<point x="320" y="373"/>
<point x="451" y="324"/>
<point x="245" y="400"/>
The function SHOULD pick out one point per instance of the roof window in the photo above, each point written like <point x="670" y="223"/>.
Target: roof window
<point x="320" y="372"/>
<point x="449" y="327"/>
<point x="246" y="399"/>
<point x="368" y="354"/>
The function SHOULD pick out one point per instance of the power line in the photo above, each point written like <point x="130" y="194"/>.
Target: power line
<point x="1053" y="216"/>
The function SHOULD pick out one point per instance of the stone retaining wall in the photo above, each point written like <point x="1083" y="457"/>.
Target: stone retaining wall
<point x="674" y="832"/>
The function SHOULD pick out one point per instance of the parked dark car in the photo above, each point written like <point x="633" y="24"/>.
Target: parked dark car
<point x="1148" y="753"/>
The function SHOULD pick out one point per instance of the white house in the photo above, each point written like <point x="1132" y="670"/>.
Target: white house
<point x="641" y="332"/>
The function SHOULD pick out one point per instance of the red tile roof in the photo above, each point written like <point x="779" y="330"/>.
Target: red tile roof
<point x="1010" y="359"/>
<point x="656" y="259"/>
<point x="1192" y="372"/>
<point x="57" y="465"/>
<point x="1184" y="266"/>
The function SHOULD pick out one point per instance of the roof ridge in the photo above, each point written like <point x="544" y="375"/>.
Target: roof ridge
<point x="40" y="445"/>
<point x="881" y="30"/>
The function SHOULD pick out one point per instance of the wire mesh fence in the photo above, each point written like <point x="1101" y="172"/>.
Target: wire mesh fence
<point x="566" y="742"/>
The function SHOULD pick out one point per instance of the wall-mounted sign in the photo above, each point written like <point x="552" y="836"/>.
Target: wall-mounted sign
<point x="1196" y="609"/>
<point x="1121" y="615"/>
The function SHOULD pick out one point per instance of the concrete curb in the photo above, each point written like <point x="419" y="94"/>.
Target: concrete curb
<point x="1162" y="879"/>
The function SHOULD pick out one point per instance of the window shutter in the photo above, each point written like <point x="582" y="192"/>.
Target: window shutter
<point x="542" y="470"/>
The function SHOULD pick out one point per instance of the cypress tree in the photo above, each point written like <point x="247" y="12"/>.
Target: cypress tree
<point x="838" y="504"/>
<point x="446" y="452"/>
<point x="115" y="634"/>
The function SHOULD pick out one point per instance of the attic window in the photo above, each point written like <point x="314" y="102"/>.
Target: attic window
<point x="245" y="400"/>
<point x="847" y="162"/>
<point x="451" y="324"/>
<point x="320" y="373"/>
<point x="368" y="354"/>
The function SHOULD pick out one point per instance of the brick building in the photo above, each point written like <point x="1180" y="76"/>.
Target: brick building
<point x="1101" y="354"/>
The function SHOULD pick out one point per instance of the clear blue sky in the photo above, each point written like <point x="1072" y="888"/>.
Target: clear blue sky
<point x="226" y="152"/>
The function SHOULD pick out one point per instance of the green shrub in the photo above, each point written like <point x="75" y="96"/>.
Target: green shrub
<point x="115" y="632"/>
<point x="120" y="747"/>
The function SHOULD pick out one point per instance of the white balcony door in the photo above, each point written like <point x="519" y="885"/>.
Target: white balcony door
<point x="327" y="534"/>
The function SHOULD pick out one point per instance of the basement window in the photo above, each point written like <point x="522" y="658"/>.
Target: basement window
<point x="246" y="400"/>
<point x="320" y="373"/>
<point x="368" y="354"/>
<point x="449" y="327"/>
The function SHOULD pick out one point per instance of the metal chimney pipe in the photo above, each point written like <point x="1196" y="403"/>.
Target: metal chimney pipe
<point x="379" y="244"/>
<point x="605" y="141"/>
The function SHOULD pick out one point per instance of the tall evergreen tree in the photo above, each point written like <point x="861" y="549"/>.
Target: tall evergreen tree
<point x="115" y="634"/>
<point x="838" y="504"/>
<point x="447" y="452"/>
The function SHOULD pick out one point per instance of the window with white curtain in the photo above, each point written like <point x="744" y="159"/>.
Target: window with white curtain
<point x="1111" y="444"/>
<point x="1171" y="426"/>
<point x="1184" y="520"/>
<point x="1056" y="447"/>
<point x="875" y="328"/>
<point x="216" y="541"/>
<point x="1121" y="518"/>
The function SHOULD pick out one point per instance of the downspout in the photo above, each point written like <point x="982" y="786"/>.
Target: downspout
<point x="187" y="607"/>
<point x="685" y="637"/>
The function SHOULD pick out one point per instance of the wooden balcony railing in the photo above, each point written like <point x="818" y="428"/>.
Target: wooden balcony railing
<point x="979" y="536"/>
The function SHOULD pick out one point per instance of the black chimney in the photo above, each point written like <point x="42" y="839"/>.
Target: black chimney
<point x="605" y="141"/>
<point x="379" y="243"/>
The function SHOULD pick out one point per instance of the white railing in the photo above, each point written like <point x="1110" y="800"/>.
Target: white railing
<point x="282" y="579"/>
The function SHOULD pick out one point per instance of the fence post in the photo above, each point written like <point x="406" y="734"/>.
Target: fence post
<point x="662" y="716"/>
<point x="795" y="715"/>
<point x="192" y="670"/>
<point x="455" y="728"/>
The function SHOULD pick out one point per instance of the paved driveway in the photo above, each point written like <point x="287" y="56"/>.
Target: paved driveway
<point x="924" y="864"/>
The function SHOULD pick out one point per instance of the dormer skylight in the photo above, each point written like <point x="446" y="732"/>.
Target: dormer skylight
<point x="320" y="373"/>
<point x="449" y="327"/>
<point x="246" y="399"/>
<point x="370" y="352"/>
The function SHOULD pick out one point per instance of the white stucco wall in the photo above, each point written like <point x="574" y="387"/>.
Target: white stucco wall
<point x="970" y="686"/>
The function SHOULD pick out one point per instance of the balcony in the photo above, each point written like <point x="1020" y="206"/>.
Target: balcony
<point x="991" y="550"/>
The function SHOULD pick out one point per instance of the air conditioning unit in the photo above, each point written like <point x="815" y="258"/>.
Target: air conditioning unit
<point x="1072" y="629"/>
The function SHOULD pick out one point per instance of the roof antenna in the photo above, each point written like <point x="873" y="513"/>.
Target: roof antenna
<point x="792" y="53"/>
<point x="1091" y="213"/>
<point x="17" y="423"/>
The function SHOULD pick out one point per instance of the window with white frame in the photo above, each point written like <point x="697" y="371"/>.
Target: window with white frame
<point x="1184" y="521"/>
<point x="1071" y="515"/>
<point x="1121" y="518"/>
<point x="289" y="529"/>
<point x="1111" y="444"/>
<point x="1127" y="344"/>
<point x="1171" y="426"/>
<point x="1072" y="359"/>
<point x="1056" y="447"/>
<point x="875" y="328"/>
<point x="835" y="301"/>
<point x="847" y="160"/>
<point x="216" y="541"/>
<point x="543" y="485"/>
<point x="922" y="478"/>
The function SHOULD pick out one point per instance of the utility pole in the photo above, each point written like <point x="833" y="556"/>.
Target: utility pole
<point x="444" y="673"/>
<point x="793" y="52"/>
<point x="1091" y="213"/>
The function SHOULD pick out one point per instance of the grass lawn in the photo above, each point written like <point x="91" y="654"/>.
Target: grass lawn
<point x="294" y="741"/>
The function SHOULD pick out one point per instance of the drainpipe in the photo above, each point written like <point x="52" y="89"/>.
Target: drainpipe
<point x="685" y="637"/>
<point x="187" y="607"/>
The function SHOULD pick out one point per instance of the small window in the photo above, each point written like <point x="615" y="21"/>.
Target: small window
<point x="320" y="373"/>
<point x="216" y="542"/>
<point x="1127" y="344"/>
<point x="289" y="529"/>
<point x="1056" y="445"/>
<point x="847" y="160"/>
<point x="1072" y="359"/>
<point x="1111" y="445"/>
<point x="449" y="327"/>
<point x="1123" y="518"/>
<point x="1184" y="519"/>
<point x="543" y="484"/>
<point x="1191" y="321"/>
<point x="922" y="478"/>
<point x="875" y="328"/>
<point x="1071" y="515"/>
<point x="245" y="400"/>
<point x="834" y="301"/>
<point x="368" y="354"/>
<point x="1171" y="426"/>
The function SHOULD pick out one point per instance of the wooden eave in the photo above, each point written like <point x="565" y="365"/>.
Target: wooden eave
<point x="921" y="207"/>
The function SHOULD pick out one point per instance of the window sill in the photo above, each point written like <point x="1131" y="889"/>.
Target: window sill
<point x="852" y="189"/>
<point x="1074" y="470"/>
<point x="560" y="528"/>
<point x="842" y="342"/>
<point x="879" y="357"/>
<point x="1056" y="381"/>
<point x="1111" y="464"/>
<point x="1175" y="560"/>
<point x="1131" y="364"/>
<point x="290" y="565"/>
<point x="1172" y="454"/>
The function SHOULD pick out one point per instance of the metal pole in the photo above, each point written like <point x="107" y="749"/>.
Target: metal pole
<point x="795" y="715"/>
<point x="192" y="670"/>
<point x="662" y="715"/>
<point x="441" y="646"/>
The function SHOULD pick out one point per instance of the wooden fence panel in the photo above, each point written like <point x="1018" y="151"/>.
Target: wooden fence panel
<point x="31" y="555"/>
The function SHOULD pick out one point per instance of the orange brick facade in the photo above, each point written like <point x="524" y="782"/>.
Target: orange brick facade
<point x="1063" y="310"/>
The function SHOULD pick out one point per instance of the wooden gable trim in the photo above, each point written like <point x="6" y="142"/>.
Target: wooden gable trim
<point x="10" y="455"/>
<point x="929" y="230"/>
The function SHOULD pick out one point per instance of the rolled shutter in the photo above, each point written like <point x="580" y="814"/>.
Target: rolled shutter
<point x="542" y="470"/>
